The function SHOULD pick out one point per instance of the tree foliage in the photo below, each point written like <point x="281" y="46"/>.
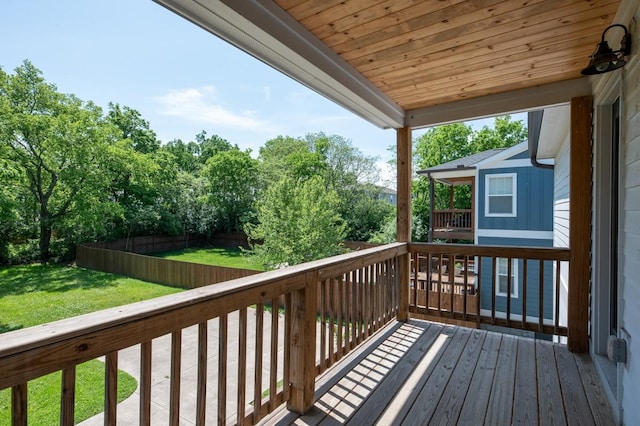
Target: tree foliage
<point x="297" y="222"/>
<point x="57" y="142"/>
<point x="233" y="179"/>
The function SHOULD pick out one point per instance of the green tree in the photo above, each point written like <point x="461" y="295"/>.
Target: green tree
<point x="57" y="143"/>
<point x="134" y="127"/>
<point x="210" y="146"/>
<point x="185" y="154"/>
<point x="233" y="180"/>
<point x="297" y="222"/>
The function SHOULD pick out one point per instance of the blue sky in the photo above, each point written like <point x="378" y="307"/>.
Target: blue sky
<point x="181" y="78"/>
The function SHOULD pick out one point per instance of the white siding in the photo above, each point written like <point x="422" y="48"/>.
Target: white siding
<point x="561" y="219"/>
<point x="630" y="224"/>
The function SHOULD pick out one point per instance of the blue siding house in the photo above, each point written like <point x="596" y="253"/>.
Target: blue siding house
<point x="511" y="204"/>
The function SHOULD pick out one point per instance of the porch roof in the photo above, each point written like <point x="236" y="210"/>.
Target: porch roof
<point x="419" y="63"/>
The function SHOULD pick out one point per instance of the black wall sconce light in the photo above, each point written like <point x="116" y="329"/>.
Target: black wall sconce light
<point x="604" y="59"/>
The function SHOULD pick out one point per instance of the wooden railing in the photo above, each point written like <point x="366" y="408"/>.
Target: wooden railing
<point x="267" y="348"/>
<point x="513" y="287"/>
<point x="453" y="219"/>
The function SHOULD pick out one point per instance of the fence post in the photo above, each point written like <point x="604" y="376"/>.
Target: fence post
<point x="303" y="345"/>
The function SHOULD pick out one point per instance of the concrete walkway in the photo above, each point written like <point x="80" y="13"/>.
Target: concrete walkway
<point x="129" y="361"/>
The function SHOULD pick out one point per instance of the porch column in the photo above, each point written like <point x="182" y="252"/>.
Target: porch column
<point x="579" y="224"/>
<point x="403" y="226"/>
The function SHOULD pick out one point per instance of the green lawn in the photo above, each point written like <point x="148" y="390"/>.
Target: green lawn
<point x="44" y="395"/>
<point x="36" y="294"/>
<point x="229" y="257"/>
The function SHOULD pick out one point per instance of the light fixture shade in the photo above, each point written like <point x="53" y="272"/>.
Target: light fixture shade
<point x="604" y="59"/>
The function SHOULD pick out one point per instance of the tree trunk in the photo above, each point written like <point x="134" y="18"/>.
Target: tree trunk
<point x="45" y="237"/>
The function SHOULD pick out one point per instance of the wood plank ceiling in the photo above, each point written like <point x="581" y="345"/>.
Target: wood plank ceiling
<point x="423" y="53"/>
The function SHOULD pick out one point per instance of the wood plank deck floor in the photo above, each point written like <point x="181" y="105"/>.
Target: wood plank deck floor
<point x="420" y="373"/>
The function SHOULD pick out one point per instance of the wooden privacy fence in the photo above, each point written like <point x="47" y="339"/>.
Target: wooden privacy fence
<point x="159" y="243"/>
<point x="246" y="359"/>
<point x="514" y="287"/>
<point x="156" y="269"/>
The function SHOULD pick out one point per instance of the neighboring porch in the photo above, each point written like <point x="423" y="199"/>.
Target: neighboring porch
<point x="422" y="372"/>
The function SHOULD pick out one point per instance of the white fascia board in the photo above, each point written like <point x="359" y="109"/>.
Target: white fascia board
<point x="448" y="174"/>
<point x="556" y="123"/>
<point x="522" y="162"/>
<point x="521" y="100"/>
<point x="265" y="31"/>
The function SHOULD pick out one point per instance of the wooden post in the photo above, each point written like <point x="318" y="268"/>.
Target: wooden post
<point x="302" y="345"/>
<point x="580" y="224"/>
<point x="432" y="205"/>
<point x="404" y="218"/>
<point x="473" y="208"/>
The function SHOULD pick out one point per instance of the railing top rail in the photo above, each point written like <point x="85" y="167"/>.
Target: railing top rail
<point x="235" y="293"/>
<point x="540" y="253"/>
<point x="452" y="211"/>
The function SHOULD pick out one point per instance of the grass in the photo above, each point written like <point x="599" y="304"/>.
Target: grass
<point x="44" y="395"/>
<point x="228" y="257"/>
<point x="36" y="294"/>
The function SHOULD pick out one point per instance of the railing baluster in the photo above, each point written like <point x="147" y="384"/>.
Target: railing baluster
<point x="19" y="405"/>
<point x="257" y="385"/>
<point x="111" y="388"/>
<point x="556" y="322"/>
<point x="273" y="370"/>
<point x="242" y="362"/>
<point x="541" y="298"/>
<point x="348" y="313"/>
<point x="478" y="264"/>
<point x="286" y="373"/>
<point x="465" y="281"/>
<point x="339" y="303"/>
<point x="525" y="287"/>
<point x="145" y="383"/>
<point x="415" y="270"/>
<point x="451" y="269"/>
<point x="68" y="399"/>
<point x="324" y="355"/>
<point x="201" y="403"/>
<point x="509" y="284"/>
<point x="332" y="321"/>
<point x="359" y="304"/>
<point x="439" y="287"/>
<point x="222" y="370"/>
<point x="494" y="287"/>
<point x="365" y="301"/>
<point x="176" y="358"/>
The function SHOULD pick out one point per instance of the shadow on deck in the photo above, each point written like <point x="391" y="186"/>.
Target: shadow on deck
<point x="428" y="373"/>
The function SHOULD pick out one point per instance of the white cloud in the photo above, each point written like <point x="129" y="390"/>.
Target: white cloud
<point x="202" y="105"/>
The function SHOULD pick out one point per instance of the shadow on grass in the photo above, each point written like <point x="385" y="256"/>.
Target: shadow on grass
<point x="5" y="328"/>
<point x="23" y="279"/>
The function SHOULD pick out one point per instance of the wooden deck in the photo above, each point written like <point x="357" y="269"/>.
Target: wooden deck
<point x="428" y="373"/>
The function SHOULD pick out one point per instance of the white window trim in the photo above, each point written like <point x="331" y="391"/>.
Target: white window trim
<point x="514" y="280"/>
<point x="514" y="196"/>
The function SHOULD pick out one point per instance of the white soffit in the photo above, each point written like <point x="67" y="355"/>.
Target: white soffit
<point x="265" y="31"/>
<point x="556" y="123"/>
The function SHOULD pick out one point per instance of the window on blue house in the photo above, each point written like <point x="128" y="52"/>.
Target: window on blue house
<point x="500" y="195"/>
<point x="502" y="274"/>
